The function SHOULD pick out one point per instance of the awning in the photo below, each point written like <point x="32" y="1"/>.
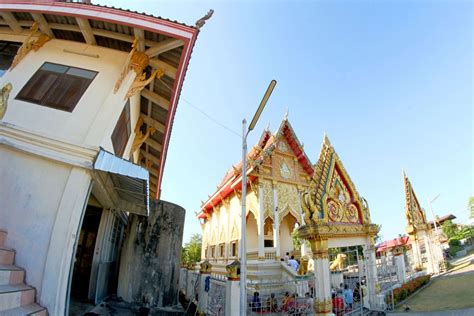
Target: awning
<point x="126" y="183"/>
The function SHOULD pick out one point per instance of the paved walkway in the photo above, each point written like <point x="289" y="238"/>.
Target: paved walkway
<point x="448" y="294"/>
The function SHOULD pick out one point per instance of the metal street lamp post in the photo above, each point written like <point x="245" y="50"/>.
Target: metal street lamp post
<point x="243" y="251"/>
<point x="437" y="243"/>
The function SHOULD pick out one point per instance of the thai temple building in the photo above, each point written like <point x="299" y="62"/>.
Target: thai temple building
<point x="88" y="96"/>
<point x="287" y="193"/>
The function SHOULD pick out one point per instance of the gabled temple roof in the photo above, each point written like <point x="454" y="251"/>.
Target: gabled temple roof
<point x="328" y="163"/>
<point x="413" y="211"/>
<point x="255" y="157"/>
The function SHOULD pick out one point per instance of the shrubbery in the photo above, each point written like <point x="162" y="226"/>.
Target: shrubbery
<point x="399" y="294"/>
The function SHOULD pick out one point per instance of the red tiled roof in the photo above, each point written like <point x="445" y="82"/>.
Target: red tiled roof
<point x="389" y="244"/>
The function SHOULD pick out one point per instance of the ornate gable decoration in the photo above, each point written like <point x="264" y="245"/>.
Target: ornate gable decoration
<point x="332" y="197"/>
<point x="414" y="214"/>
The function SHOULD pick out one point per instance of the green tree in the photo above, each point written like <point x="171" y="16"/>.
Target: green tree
<point x="295" y="237"/>
<point x="449" y="229"/>
<point x="191" y="252"/>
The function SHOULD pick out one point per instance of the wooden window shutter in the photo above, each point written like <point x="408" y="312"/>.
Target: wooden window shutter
<point x="122" y="131"/>
<point x="38" y="86"/>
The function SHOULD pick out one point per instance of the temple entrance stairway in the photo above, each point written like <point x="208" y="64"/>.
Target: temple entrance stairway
<point x="16" y="298"/>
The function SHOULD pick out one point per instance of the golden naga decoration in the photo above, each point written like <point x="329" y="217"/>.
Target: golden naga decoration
<point x="141" y="137"/>
<point x="323" y="306"/>
<point x="140" y="82"/>
<point x="191" y="266"/>
<point x="28" y="45"/>
<point x="233" y="270"/>
<point x="4" y="95"/>
<point x="303" y="269"/>
<point x="206" y="267"/>
<point x="338" y="263"/>
<point x="136" y="61"/>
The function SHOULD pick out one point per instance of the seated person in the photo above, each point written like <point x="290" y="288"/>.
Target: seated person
<point x="272" y="304"/>
<point x="256" y="304"/>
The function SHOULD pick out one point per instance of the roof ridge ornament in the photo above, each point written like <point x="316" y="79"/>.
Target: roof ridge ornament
<point x="200" y="23"/>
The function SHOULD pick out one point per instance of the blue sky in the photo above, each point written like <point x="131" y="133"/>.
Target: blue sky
<point x="390" y="82"/>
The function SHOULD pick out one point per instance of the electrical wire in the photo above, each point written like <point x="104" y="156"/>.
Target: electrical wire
<point x="203" y="112"/>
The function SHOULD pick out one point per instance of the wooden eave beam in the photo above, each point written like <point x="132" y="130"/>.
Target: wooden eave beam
<point x="140" y="35"/>
<point x="43" y="24"/>
<point x="169" y="70"/>
<point x="164" y="46"/>
<point x="153" y="123"/>
<point x="150" y="157"/>
<point x="153" y="143"/>
<point x="12" y="22"/>
<point x="156" y="98"/>
<point x="86" y="31"/>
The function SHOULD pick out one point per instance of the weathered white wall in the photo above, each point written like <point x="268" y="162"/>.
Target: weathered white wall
<point x="29" y="200"/>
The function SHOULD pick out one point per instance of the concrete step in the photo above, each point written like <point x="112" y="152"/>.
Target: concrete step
<point x="10" y="274"/>
<point x="3" y="237"/>
<point x="32" y="309"/>
<point x="7" y="255"/>
<point x="14" y="296"/>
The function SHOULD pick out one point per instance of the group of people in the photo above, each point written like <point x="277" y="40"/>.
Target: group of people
<point x="290" y="304"/>
<point x="343" y="298"/>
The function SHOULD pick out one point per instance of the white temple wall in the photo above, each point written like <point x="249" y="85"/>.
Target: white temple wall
<point x="286" y="228"/>
<point x="252" y="233"/>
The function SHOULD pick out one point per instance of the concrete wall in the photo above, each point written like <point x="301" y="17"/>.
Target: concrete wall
<point x="151" y="256"/>
<point x="42" y="213"/>
<point x="24" y="212"/>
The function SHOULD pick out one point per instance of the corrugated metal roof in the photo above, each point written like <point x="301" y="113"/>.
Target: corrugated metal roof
<point x="128" y="180"/>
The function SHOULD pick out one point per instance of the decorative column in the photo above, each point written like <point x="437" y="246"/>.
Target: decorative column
<point x="415" y="248"/>
<point x="432" y="265"/>
<point x="276" y="223"/>
<point x="261" y="224"/>
<point x="369" y="256"/>
<point x="323" y="300"/>
<point x="232" y="289"/>
<point x="203" y="295"/>
<point x="399" y="261"/>
<point x="303" y="242"/>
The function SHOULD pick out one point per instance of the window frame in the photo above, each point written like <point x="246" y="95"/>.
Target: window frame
<point x="128" y="126"/>
<point x="45" y="100"/>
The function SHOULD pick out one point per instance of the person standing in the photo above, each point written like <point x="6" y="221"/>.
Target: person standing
<point x="348" y="297"/>
<point x="337" y="304"/>
<point x="287" y="257"/>
<point x="293" y="263"/>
